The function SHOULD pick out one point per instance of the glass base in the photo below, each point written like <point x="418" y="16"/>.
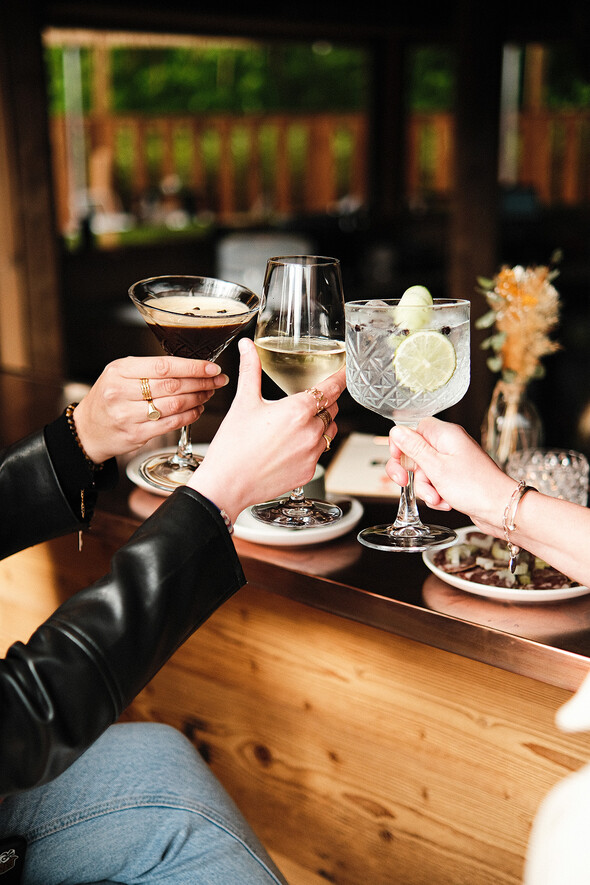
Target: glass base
<point x="167" y="472"/>
<point x="413" y="539"/>
<point x="304" y="514"/>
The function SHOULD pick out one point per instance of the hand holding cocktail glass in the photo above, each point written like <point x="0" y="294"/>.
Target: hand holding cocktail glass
<point x="195" y="317"/>
<point x="407" y="360"/>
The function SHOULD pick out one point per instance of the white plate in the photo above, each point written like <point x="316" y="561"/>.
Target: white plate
<point x="503" y="594"/>
<point x="249" y="528"/>
<point x="132" y="469"/>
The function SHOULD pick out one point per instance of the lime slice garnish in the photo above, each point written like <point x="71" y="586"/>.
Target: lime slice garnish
<point x="424" y="361"/>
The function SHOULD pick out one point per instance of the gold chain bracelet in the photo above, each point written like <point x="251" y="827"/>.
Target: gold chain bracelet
<point x="508" y="523"/>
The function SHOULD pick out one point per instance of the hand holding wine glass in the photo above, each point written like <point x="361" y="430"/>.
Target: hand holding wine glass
<point x="263" y="446"/>
<point x="300" y="340"/>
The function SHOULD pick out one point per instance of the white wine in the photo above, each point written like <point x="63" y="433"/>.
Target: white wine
<point x="294" y="366"/>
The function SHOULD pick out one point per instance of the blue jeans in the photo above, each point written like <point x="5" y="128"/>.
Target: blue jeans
<point x="140" y="806"/>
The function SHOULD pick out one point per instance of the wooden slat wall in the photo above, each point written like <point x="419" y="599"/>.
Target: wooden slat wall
<point x="358" y="757"/>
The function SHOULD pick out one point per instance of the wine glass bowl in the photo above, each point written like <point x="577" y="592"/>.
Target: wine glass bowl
<point x="193" y="317"/>
<point x="406" y="374"/>
<point x="299" y="337"/>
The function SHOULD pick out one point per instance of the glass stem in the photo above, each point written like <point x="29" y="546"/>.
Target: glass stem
<point x="297" y="495"/>
<point x="407" y="512"/>
<point x="185" y="450"/>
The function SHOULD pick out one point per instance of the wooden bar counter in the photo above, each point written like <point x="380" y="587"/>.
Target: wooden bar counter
<point x="375" y="725"/>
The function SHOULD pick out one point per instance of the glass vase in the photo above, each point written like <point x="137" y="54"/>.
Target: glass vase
<point x="511" y="422"/>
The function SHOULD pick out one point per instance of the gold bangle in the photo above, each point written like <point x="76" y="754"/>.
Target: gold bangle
<point x="72" y="425"/>
<point x="508" y="523"/>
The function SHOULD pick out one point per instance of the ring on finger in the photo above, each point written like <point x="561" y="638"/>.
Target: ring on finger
<point x="328" y="441"/>
<point x="325" y="418"/>
<point x="153" y="413"/>
<point x="319" y="397"/>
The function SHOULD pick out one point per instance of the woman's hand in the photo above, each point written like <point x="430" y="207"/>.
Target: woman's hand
<point x="265" y="448"/>
<point x="452" y="471"/>
<point x="112" y="419"/>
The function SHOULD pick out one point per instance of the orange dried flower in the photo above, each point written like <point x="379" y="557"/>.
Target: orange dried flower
<point x="525" y="310"/>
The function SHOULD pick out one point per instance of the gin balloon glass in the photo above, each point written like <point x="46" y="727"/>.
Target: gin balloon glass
<point x="195" y="317"/>
<point x="407" y="364"/>
<point x="300" y="340"/>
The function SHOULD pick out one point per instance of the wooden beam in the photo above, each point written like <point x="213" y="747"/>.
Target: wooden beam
<point x="30" y="312"/>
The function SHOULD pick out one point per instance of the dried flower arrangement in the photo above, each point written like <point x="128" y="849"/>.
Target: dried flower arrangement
<point x="524" y="307"/>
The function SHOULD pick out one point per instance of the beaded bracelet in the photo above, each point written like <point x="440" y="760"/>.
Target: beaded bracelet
<point x="508" y="523"/>
<point x="227" y="521"/>
<point x="72" y="425"/>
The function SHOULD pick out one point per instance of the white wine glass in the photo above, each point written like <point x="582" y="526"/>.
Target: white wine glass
<point x="195" y="317"/>
<point x="300" y="340"/>
<point x="407" y="363"/>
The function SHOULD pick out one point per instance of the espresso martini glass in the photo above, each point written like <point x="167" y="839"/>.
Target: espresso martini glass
<point x="193" y="317"/>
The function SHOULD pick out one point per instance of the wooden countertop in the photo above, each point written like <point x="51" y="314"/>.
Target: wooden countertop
<point x="393" y="592"/>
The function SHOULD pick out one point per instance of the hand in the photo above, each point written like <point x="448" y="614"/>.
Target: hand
<point x="264" y="448"/>
<point x="112" y="419"/>
<point x="452" y="471"/>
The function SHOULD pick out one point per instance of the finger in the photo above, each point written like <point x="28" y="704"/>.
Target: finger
<point x="411" y="443"/>
<point x="175" y="387"/>
<point x="430" y="496"/>
<point x="174" y="407"/>
<point x="250" y="371"/>
<point x="166" y="367"/>
<point x="333" y="385"/>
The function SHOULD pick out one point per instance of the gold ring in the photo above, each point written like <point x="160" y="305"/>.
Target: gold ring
<point x="145" y="389"/>
<point x="318" y="396"/>
<point x="325" y="418"/>
<point x="153" y="413"/>
<point x="328" y="441"/>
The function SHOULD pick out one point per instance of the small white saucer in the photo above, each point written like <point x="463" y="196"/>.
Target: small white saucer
<point x="134" y="474"/>
<point x="249" y="528"/>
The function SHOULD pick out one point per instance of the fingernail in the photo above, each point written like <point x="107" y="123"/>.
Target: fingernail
<point x="212" y="369"/>
<point x="221" y="380"/>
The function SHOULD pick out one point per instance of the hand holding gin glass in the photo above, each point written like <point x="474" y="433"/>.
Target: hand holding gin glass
<point x="407" y="359"/>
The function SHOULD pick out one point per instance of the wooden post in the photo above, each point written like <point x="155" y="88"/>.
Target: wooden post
<point x="475" y="203"/>
<point x="30" y="308"/>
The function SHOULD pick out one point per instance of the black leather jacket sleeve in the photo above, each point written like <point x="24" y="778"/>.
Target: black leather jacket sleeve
<point x="33" y="505"/>
<point x="86" y="663"/>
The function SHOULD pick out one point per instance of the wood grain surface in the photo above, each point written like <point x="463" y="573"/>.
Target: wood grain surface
<point x="358" y="756"/>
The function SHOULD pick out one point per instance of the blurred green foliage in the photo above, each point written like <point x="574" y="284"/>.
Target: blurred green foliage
<point x="256" y="78"/>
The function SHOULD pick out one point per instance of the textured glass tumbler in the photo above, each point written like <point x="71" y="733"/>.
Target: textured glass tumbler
<point x="561" y="473"/>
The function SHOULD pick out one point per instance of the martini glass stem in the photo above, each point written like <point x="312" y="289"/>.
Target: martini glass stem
<point x="184" y="451"/>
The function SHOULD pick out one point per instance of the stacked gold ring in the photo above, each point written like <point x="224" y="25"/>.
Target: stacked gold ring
<point x="318" y="396"/>
<point x="325" y="418"/>
<point x="153" y="413"/>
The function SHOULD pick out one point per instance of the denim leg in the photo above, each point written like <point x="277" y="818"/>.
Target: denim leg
<point x="140" y="806"/>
